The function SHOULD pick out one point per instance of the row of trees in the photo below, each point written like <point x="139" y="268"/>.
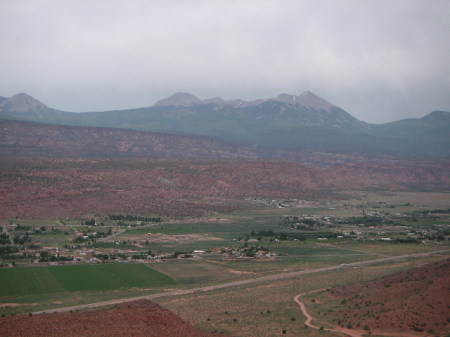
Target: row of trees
<point x="45" y="256"/>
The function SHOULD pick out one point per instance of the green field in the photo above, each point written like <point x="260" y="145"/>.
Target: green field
<point x="16" y="282"/>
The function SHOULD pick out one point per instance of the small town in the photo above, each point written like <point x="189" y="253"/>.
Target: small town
<point x="114" y="239"/>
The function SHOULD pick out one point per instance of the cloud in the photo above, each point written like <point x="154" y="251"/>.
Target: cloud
<point x="379" y="60"/>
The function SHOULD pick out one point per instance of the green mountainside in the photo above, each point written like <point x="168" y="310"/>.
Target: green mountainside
<point x="286" y="122"/>
<point x="429" y="134"/>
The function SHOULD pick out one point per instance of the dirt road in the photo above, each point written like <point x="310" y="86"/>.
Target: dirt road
<point x="309" y="318"/>
<point x="345" y="331"/>
<point x="237" y="283"/>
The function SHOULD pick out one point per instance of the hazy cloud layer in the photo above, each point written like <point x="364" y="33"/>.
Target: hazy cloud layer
<point x="381" y="60"/>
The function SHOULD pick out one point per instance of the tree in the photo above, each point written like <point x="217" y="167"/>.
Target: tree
<point x="90" y="222"/>
<point x="44" y="256"/>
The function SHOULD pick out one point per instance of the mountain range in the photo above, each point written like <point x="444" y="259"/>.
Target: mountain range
<point x="293" y="123"/>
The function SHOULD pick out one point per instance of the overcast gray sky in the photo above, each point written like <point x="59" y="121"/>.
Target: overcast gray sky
<point x="380" y="60"/>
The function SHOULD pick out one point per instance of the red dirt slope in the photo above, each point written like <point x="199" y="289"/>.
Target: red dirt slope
<point x="140" y="318"/>
<point x="56" y="188"/>
<point x="417" y="300"/>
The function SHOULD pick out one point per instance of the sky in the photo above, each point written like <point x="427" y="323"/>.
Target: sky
<point x="380" y="60"/>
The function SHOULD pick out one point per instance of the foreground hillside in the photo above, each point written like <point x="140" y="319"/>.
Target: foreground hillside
<point x="139" y="319"/>
<point x="415" y="300"/>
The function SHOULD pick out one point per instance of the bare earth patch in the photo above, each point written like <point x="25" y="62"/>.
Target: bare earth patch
<point x="6" y="305"/>
<point x="202" y="220"/>
<point x="164" y="238"/>
<point x="240" y="272"/>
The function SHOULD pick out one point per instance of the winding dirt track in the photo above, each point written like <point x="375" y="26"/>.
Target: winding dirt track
<point x="309" y="318"/>
<point x="237" y="283"/>
<point x="345" y="331"/>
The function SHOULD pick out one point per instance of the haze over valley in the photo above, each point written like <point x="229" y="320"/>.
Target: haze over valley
<point x="224" y="168"/>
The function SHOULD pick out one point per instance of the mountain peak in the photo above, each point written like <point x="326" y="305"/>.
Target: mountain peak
<point x="306" y="99"/>
<point x="22" y="103"/>
<point x="286" y="98"/>
<point x="309" y="99"/>
<point x="308" y="93"/>
<point x="179" y="99"/>
<point x="437" y="116"/>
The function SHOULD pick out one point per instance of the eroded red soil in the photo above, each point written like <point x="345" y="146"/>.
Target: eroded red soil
<point x="138" y="319"/>
<point x="416" y="300"/>
<point x="64" y="187"/>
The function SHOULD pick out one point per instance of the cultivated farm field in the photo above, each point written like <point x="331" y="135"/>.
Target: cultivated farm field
<point x="60" y="283"/>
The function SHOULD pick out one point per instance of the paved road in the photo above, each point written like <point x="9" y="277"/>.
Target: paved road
<point x="238" y="283"/>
